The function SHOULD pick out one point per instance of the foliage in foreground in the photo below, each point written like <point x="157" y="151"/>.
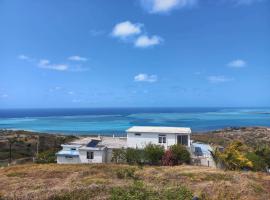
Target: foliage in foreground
<point x="46" y="157"/>
<point x="237" y="156"/>
<point x="152" y="154"/>
<point x="138" y="191"/>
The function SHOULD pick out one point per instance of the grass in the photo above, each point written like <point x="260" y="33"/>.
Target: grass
<point x="105" y="181"/>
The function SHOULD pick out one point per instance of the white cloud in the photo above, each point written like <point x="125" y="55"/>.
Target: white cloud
<point x="44" y="63"/>
<point x="218" y="79"/>
<point x="70" y="92"/>
<point x="77" y="58"/>
<point x="145" y="78"/>
<point x="238" y="63"/>
<point x="125" y="29"/>
<point x="145" y="41"/>
<point x="163" y="6"/>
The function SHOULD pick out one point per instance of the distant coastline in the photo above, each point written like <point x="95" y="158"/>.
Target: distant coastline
<point x="109" y="121"/>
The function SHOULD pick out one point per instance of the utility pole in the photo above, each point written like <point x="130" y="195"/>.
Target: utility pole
<point x="9" y="152"/>
<point x="37" y="145"/>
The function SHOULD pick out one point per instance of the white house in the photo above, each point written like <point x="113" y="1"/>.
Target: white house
<point x="140" y="136"/>
<point x="90" y="150"/>
<point x="99" y="149"/>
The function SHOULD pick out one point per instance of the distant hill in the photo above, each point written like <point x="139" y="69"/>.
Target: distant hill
<point x="251" y="136"/>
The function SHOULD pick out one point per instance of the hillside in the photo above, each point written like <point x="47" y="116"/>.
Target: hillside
<point x="24" y="144"/>
<point x="52" y="181"/>
<point x="251" y="136"/>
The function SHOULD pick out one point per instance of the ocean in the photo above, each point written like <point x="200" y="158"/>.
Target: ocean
<point x="108" y="121"/>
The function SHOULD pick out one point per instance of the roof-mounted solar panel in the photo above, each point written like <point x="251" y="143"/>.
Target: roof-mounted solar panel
<point x="93" y="143"/>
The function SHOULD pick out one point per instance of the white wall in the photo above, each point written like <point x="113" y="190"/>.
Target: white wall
<point x="68" y="160"/>
<point x="134" y="141"/>
<point x="99" y="156"/>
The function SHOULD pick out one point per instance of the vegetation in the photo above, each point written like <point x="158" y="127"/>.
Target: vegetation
<point x="238" y="156"/>
<point x="138" y="191"/>
<point x="253" y="137"/>
<point x="118" y="181"/>
<point x="24" y="144"/>
<point x="46" y="157"/>
<point x="153" y="154"/>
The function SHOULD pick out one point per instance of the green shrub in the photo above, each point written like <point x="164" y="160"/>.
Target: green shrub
<point x="153" y="153"/>
<point x="46" y="157"/>
<point x="139" y="191"/>
<point x="134" y="156"/>
<point x="180" y="153"/>
<point x="258" y="162"/>
<point x="264" y="153"/>
<point x="135" y="192"/>
<point x="126" y="173"/>
<point x="233" y="157"/>
<point x="180" y="193"/>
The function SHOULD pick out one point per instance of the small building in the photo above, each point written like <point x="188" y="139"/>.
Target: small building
<point x="100" y="149"/>
<point x="140" y="136"/>
<point x="90" y="150"/>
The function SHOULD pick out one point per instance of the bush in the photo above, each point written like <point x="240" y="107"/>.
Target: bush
<point x="126" y="173"/>
<point x="180" y="193"/>
<point x="46" y="157"/>
<point x="264" y="153"/>
<point x="233" y="157"/>
<point x="134" y="156"/>
<point x="119" y="155"/>
<point x="139" y="191"/>
<point x="168" y="158"/>
<point x="180" y="153"/>
<point x="153" y="153"/>
<point x="258" y="162"/>
<point x="135" y="192"/>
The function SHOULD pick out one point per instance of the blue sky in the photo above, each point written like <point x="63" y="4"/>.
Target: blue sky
<point x="119" y="53"/>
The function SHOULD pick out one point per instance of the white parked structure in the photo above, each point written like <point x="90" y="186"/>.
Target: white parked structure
<point x="99" y="149"/>
<point x="140" y="136"/>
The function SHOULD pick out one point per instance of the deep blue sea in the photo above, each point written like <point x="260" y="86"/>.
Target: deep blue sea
<point x="116" y="120"/>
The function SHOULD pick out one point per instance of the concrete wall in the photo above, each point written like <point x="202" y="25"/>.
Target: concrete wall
<point x="134" y="141"/>
<point x="68" y="160"/>
<point x="99" y="156"/>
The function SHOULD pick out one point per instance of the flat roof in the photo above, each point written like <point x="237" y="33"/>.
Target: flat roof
<point x="158" y="129"/>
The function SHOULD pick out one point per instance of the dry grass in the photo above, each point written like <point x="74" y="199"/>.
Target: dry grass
<point x="52" y="181"/>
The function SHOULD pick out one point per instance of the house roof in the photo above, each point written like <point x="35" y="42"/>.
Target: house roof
<point x="158" y="129"/>
<point x="72" y="153"/>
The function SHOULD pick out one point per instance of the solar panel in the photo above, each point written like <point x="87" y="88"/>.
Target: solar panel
<point x="93" y="143"/>
<point x="198" y="151"/>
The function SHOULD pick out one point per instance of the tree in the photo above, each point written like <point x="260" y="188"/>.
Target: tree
<point x="180" y="153"/>
<point x="233" y="157"/>
<point x="153" y="153"/>
<point x="134" y="156"/>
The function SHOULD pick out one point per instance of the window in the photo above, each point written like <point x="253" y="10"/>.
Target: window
<point x="69" y="157"/>
<point x="162" y="139"/>
<point x="182" y="139"/>
<point x="138" y="134"/>
<point x="73" y="149"/>
<point x="90" y="155"/>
